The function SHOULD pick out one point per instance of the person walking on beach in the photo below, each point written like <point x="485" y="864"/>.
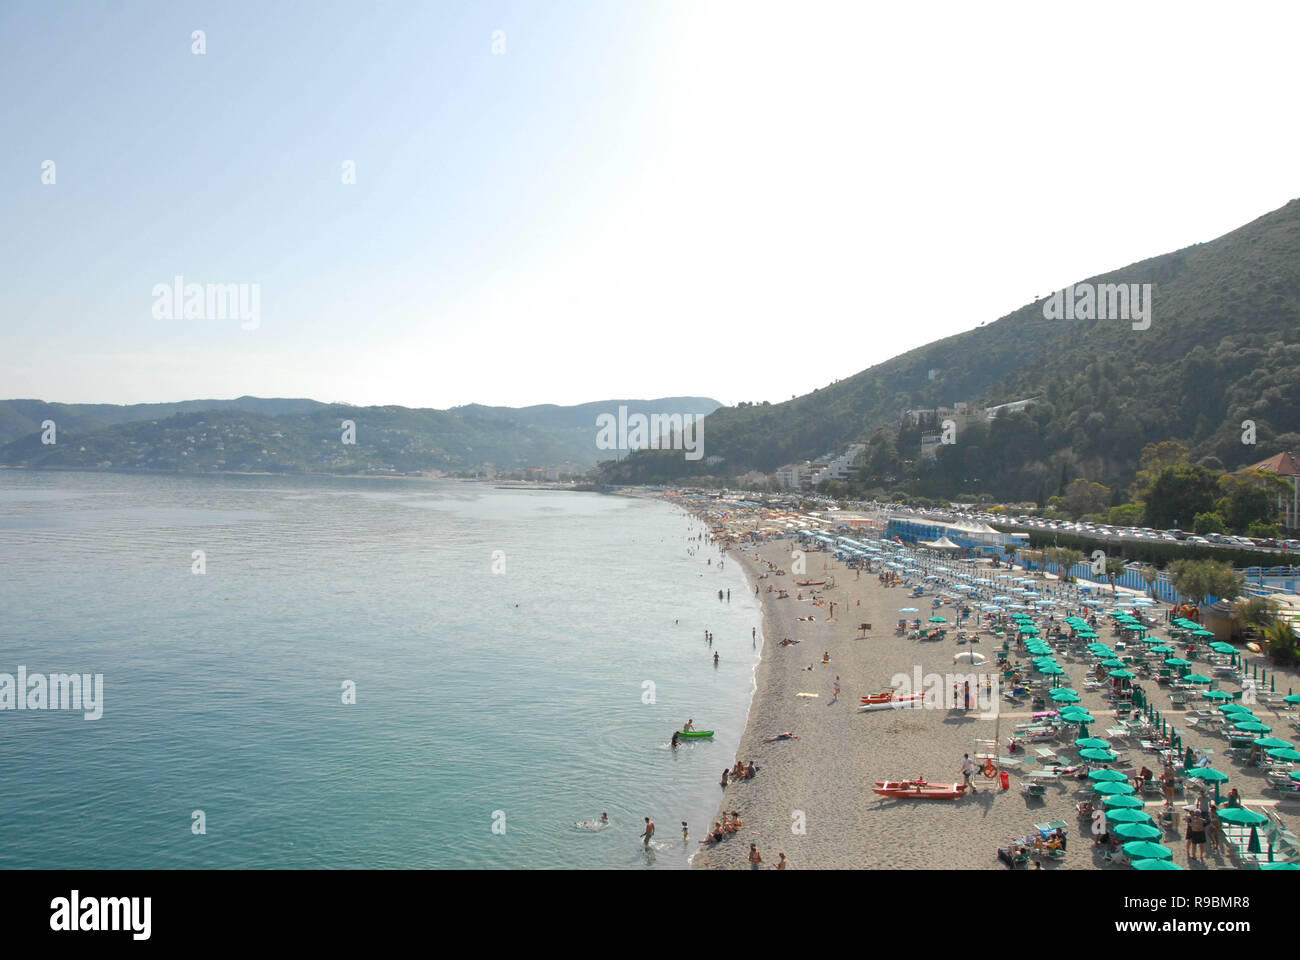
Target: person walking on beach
<point x="649" y="831"/>
<point x="755" y="858"/>
<point x="967" y="770"/>
<point x="837" y="690"/>
<point x="780" y="865"/>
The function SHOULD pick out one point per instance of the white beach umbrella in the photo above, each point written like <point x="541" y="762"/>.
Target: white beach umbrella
<point x="968" y="655"/>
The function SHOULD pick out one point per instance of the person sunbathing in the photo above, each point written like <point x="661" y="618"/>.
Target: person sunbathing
<point x="780" y="736"/>
<point x="715" y="836"/>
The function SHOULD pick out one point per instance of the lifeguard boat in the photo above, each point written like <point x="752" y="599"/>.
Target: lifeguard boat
<point x="892" y="700"/>
<point x="919" y="788"/>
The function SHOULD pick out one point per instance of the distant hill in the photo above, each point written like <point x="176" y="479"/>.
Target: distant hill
<point x="1223" y="346"/>
<point x="295" y="435"/>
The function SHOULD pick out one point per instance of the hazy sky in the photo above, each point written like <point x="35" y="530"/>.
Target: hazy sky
<point x="635" y="199"/>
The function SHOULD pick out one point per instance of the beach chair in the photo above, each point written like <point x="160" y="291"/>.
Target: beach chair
<point x="1045" y="754"/>
<point x="1032" y="788"/>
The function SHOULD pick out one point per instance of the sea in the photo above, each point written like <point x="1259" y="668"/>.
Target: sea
<point x="334" y="673"/>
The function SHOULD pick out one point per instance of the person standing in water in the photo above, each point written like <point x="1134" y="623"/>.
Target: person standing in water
<point x="649" y="831"/>
<point x="715" y="659"/>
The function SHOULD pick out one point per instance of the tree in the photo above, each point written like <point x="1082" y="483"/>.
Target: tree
<point x="1114" y="570"/>
<point x="1256" y="612"/>
<point x="1128" y="514"/>
<point x="1198" y="579"/>
<point x="1249" y="497"/>
<point x="1149" y="576"/>
<point x="1155" y="459"/>
<point x="1179" y="494"/>
<point x="1209" y="523"/>
<point x="1085" y="496"/>
<point x="1279" y="637"/>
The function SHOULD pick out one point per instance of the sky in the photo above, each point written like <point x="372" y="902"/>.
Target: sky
<point x="564" y="202"/>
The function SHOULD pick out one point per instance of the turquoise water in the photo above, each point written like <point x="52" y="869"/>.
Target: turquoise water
<point x="476" y="692"/>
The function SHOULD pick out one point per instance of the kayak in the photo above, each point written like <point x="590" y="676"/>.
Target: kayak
<point x="684" y="734"/>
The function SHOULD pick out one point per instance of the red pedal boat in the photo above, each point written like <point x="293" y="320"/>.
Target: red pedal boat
<point x="920" y="788"/>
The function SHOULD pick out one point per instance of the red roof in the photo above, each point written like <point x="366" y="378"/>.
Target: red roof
<point x="1283" y="464"/>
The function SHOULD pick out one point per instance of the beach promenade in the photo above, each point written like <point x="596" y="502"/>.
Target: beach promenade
<point x="812" y="798"/>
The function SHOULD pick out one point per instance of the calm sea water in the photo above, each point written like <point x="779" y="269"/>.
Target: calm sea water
<point x="511" y="698"/>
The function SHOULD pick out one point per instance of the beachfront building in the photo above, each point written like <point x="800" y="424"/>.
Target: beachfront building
<point x="960" y="413"/>
<point x="842" y="467"/>
<point x="1285" y="466"/>
<point x="792" y="475"/>
<point x="968" y="535"/>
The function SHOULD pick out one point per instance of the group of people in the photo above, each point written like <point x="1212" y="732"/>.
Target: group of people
<point x="743" y="771"/>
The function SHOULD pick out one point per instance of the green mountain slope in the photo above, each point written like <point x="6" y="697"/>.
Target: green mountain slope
<point x="1223" y="346"/>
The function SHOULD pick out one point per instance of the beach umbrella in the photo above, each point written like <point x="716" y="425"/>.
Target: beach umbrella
<point x="1138" y="831"/>
<point x="1106" y="776"/>
<point x="1094" y="743"/>
<point x="1100" y="756"/>
<point x="1076" y="716"/>
<point x="1162" y="648"/>
<point x="938" y="619"/>
<point x="1122" y="801"/>
<point x="1216" y="695"/>
<point x="1251" y="726"/>
<point x="1123" y="674"/>
<point x="1241" y="817"/>
<point x="1253" y="845"/>
<point x="1109" y="788"/>
<point x="1064" y="695"/>
<point x="1196" y="678"/>
<point x="908" y="610"/>
<point x="1051" y="669"/>
<point x="1289" y="754"/>
<point x="1218" y="646"/>
<point x="1292" y="698"/>
<point x="1279" y="866"/>
<point x="1153" y="864"/>
<point x="1271" y="743"/>
<point x="1128" y="815"/>
<point x="967" y="655"/>
<point x="1235" y="708"/>
<point x="1112" y="662"/>
<point x="1146" y="850"/>
<point x="1177" y="662"/>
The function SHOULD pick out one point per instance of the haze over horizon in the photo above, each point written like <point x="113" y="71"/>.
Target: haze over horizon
<point x="706" y="199"/>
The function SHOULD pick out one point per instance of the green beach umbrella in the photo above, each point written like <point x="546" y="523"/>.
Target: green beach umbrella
<point x="1251" y="726"/>
<point x="1216" y="695"/>
<point x="1051" y="669"/>
<point x="1127" y="815"/>
<point x="1076" y="715"/>
<point x="1271" y="743"/>
<point x="1162" y="648"/>
<point x="1112" y="662"/>
<point x="1208" y="774"/>
<point x="1295" y="775"/>
<point x="938" y="619"/>
<point x="1107" y="776"/>
<point x="1096" y="743"/>
<point x="1218" y="646"/>
<point x="1064" y="695"/>
<point x="1099" y="756"/>
<point x="1123" y="674"/>
<point x="1235" y="708"/>
<point x="1196" y="678"/>
<point x="1241" y="816"/>
<point x="1292" y="698"/>
<point x="1146" y="850"/>
<point x="1279" y="866"/>
<point x="1108" y="788"/>
<point x="1153" y="864"/>
<point x="1289" y="754"/>
<point x="1177" y="662"/>
<point x="1138" y="831"/>
<point x="1122" y="801"/>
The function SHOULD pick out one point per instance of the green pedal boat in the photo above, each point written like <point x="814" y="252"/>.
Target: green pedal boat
<point x="696" y="734"/>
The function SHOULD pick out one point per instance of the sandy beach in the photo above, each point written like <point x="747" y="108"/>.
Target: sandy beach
<point x="812" y="797"/>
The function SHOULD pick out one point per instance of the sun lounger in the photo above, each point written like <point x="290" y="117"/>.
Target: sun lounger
<point x="1033" y="789"/>
<point x="1045" y="754"/>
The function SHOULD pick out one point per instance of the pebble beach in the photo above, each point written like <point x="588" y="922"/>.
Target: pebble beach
<point x="812" y="798"/>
